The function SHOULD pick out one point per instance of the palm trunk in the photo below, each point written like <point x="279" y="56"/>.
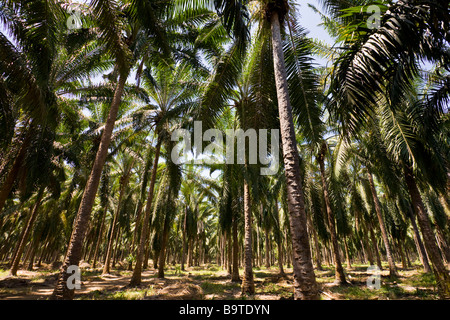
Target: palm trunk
<point x="135" y="232"/>
<point x="419" y="244"/>
<point x="248" y="286"/>
<point x="442" y="243"/>
<point x="375" y="247"/>
<point x="116" y="247"/>
<point x="235" y="268"/>
<point x="347" y="254"/>
<point x="317" y="256"/>
<point x="73" y="255"/>
<point x="229" y="252"/>
<point x="136" y="278"/>
<point x="183" y="255"/>
<point x="440" y="271"/>
<point x="123" y="185"/>
<point x="190" y="253"/>
<point x="162" y="253"/>
<point x="339" y="270"/>
<point x="100" y="235"/>
<point x="258" y="244"/>
<point x="14" y="171"/>
<point x="402" y="254"/>
<point x="279" y="242"/>
<point x="266" y="244"/>
<point x="112" y="236"/>
<point x="305" y="286"/>
<point x="24" y="239"/>
<point x="390" y="257"/>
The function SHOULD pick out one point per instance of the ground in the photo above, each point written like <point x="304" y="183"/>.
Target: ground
<point x="211" y="282"/>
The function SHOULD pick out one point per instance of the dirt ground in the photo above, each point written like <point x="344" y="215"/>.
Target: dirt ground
<point x="211" y="282"/>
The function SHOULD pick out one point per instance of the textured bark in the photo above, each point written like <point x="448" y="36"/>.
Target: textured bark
<point x="24" y="239"/>
<point x="305" y="285"/>
<point x="73" y="255"/>
<point x="137" y="272"/>
<point x="440" y="271"/>
<point x="248" y="285"/>
<point x="384" y="234"/>
<point x="339" y="270"/>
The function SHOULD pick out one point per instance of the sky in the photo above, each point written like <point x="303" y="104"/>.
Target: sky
<point x="311" y="20"/>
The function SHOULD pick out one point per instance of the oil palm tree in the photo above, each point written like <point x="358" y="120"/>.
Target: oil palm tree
<point x="173" y="94"/>
<point x="379" y="66"/>
<point x="39" y="76"/>
<point x="119" y="30"/>
<point x="271" y="15"/>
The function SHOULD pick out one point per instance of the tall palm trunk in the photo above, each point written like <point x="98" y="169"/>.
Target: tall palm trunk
<point x="347" y="254"/>
<point x="24" y="238"/>
<point x="279" y="239"/>
<point x="402" y="254"/>
<point x="339" y="270"/>
<point x="229" y="252"/>
<point x="375" y="246"/>
<point x="305" y="285"/>
<point x="313" y="231"/>
<point x="162" y="253"/>
<point x="235" y="267"/>
<point x="267" y="252"/>
<point x="136" y="278"/>
<point x="100" y="235"/>
<point x="135" y="232"/>
<point x="390" y="257"/>
<point x="123" y="185"/>
<point x="73" y="255"/>
<point x="440" y="271"/>
<point x="183" y="254"/>
<point x="248" y="285"/>
<point x="419" y="244"/>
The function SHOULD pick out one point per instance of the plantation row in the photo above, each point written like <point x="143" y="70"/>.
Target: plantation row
<point x="92" y="96"/>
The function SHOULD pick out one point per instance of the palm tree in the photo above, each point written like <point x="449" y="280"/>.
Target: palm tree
<point x="67" y="62"/>
<point x="40" y="88"/>
<point x="379" y="67"/>
<point x="109" y="15"/>
<point x="128" y="163"/>
<point x="271" y="15"/>
<point x="172" y="96"/>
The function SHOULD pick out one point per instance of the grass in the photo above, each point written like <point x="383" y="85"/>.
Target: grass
<point x="215" y="284"/>
<point x="127" y="294"/>
<point x="3" y="273"/>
